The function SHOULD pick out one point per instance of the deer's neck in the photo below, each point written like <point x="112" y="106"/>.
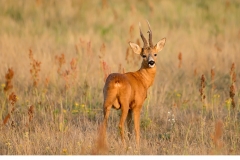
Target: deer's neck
<point x="147" y="75"/>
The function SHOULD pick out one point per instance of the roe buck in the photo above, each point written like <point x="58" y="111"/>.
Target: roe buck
<point x="129" y="90"/>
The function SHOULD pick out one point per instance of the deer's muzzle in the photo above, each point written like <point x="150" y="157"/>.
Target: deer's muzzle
<point x="151" y="62"/>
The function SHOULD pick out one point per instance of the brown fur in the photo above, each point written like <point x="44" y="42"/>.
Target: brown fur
<point x="129" y="90"/>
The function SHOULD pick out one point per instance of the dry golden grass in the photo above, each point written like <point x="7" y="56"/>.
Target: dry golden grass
<point x="93" y="36"/>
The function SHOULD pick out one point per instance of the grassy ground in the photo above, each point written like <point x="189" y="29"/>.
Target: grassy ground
<point x="56" y="54"/>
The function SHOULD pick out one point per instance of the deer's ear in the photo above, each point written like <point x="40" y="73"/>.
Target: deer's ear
<point x="159" y="46"/>
<point x="136" y="49"/>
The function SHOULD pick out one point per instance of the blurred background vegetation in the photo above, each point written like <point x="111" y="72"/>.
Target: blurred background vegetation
<point x="61" y="51"/>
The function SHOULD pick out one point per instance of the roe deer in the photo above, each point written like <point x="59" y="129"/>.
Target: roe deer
<point x="129" y="90"/>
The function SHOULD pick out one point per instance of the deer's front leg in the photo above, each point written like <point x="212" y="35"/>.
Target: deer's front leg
<point x="136" y="114"/>
<point x="129" y="124"/>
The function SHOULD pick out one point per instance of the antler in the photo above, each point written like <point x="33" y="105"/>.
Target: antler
<point x="150" y="35"/>
<point x="143" y="38"/>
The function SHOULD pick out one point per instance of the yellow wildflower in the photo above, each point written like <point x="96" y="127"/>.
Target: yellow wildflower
<point x="3" y="85"/>
<point x="74" y="111"/>
<point x="76" y="104"/>
<point x="228" y="101"/>
<point x="178" y="95"/>
<point x="64" y="150"/>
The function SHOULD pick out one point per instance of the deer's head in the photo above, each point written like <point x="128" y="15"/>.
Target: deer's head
<point x="148" y="51"/>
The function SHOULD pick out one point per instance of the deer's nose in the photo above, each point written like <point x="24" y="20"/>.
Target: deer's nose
<point x="151" y="62"/>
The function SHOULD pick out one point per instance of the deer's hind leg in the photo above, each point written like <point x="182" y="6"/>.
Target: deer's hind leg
<point x="124" y="99"/>
<point x="110" y="97"/>
<point x="124" y="108"/>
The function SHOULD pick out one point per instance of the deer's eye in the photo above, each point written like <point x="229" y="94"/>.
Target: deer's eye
<point x="144" y="56"/>
<point x="155" y="55"/>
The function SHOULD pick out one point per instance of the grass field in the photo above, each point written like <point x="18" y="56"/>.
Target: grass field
<point x="55" y="55"/>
